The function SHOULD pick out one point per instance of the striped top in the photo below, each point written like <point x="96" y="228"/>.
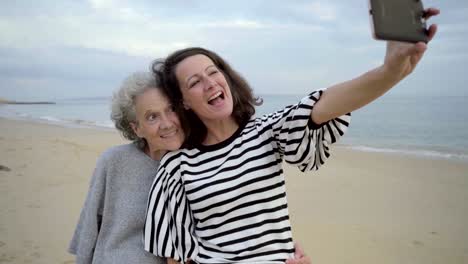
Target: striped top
<point x="226" y="203"/>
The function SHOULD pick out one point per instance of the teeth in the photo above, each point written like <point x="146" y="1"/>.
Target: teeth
<point x="215" y="95"/>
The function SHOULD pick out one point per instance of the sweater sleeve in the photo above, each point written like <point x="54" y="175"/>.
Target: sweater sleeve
<point x="86" y="233"/>
<point x="169" y="225"/>
<point x="300" y="141"/>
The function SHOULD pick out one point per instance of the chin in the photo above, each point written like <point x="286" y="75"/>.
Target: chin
<point x="171" y="148"/>
<point x="225" y="113"/>
<point x="174" y="146"/>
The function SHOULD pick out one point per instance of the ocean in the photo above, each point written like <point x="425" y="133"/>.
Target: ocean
<point x="431" y="127"/>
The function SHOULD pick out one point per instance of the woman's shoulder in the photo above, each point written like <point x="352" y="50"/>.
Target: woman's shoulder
<point x="122" y="154"/>
<point x="108" y="163"/>
<point x="118" y="150"/>
<point x="173" y="157"/>
<point x="172" y="160"/>
<point x="123" y="161"/>
<point x="305" y="102"/>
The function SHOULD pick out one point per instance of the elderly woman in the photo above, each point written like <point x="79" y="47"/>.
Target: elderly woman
<point x="222" y="199"/>
<point x="112" y="219"/>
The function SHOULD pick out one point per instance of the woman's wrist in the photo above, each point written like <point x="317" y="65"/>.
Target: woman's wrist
<point x="386" y="76"/>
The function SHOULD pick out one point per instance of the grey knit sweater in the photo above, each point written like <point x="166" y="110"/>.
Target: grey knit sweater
<point x="110" y="228"/>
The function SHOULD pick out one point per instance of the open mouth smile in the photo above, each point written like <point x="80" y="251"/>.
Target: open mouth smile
<point x="216" y="98"/>
<point x="169" y="134"/>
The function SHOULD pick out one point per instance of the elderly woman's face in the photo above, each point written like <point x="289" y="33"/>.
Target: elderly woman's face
<point x="204" y="88"/>
<point x="157" y="122"/>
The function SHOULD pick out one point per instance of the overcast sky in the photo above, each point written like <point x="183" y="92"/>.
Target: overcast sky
<point x="60" y="49"/>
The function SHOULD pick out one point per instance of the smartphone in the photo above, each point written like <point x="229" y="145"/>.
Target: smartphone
<point x="399" y="20"/>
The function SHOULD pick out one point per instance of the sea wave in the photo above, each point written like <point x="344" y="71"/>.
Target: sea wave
<point x="67" y="122"/>
<point x="418" y="152"/>
<point x="370" y="143"/>
<point x="78" y="122"/>
<point x="50" y="118"/>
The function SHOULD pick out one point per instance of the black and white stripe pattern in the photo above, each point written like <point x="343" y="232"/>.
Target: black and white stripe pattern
<point x="226" y="203"/>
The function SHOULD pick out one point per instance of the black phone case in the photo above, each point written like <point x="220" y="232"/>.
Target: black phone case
<point x="400" y="20"/>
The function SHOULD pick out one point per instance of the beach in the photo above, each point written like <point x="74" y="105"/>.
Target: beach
<point x="361" y="207"/>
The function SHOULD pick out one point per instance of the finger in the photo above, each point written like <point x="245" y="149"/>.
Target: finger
<point x="431" y="32"/>
<point x="428" y="13"/>
<point x="304" y="260"/>
<point x="414" y="49"/>
<point x="299" y="252"/>
<point x="418" y="52"/>
<point x="297" y="261"/>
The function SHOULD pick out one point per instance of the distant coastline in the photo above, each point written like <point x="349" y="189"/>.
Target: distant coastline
<point x="4" y="101"/>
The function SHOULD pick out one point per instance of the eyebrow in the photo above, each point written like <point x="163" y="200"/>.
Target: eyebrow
<point x="148" y="112"/>
<point x="157" y="111"/>
<point x="209" y="66"/>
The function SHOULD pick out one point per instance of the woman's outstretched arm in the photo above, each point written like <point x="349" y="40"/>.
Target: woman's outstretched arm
<point x="400" y="60"/>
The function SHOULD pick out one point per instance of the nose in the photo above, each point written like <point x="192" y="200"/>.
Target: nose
<point x="209" y="82"/>
<point x="166" y="122"/>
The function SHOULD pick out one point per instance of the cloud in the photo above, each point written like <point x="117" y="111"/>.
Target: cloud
<point x="102" y="40"/>
<point x="70" y="63"/>
<point x="239" y="23"/>
<point x="64" y="72"/>
<point x="454" y="28"/>
<point x="119" y="28"/>
<point x="130" y="34"/>
<point x="322" y="10"/>
<point x="102" y="4"/>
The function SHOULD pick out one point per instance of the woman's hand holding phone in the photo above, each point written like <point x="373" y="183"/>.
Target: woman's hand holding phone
<point x="401" y="58"/>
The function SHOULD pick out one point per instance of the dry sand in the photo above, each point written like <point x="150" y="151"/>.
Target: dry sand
<point x="359" y="208"/>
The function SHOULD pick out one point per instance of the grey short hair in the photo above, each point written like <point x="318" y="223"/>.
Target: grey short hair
<point x="123" y="103"/>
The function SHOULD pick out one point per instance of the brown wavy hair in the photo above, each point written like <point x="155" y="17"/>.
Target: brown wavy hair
<point x="244" y="101"/>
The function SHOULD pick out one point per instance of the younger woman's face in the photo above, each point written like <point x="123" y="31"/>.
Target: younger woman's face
<point x="204" y="88"/>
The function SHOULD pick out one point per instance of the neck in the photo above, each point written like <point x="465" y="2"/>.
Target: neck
<point x="219" y="130"/>
<point x="155" y="154"/>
